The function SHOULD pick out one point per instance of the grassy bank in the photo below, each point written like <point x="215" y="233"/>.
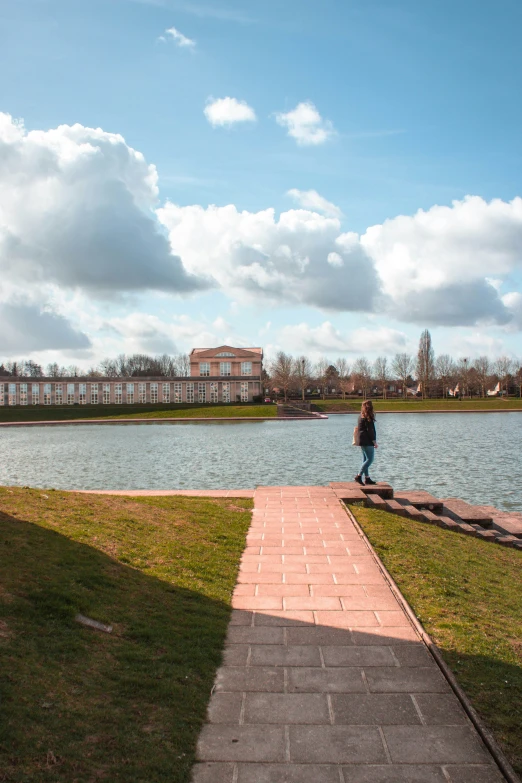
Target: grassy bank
<point x="468" y="595"/>
<point x="354" y="406"/>
<point x="184" y="411"/>
<point x="79" y="705"/>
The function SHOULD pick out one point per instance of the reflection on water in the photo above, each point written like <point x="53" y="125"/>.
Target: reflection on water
<point x="473" y="456"/>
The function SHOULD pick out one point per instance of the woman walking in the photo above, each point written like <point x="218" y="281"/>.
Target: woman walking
<point x="367" y="440"/>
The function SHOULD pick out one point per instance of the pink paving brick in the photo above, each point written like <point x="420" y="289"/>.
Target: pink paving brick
<point x="283" y="590"/>
<point x="312" y="603"/>
<point x="256" y="603"/>
<point x="347" y="619"/>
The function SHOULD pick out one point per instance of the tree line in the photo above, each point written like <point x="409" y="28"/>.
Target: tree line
<point x="123" y="366"/>
<point x="425" y="374"/>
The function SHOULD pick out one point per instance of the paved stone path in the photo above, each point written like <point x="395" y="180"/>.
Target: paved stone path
<point x="324" y="678"/>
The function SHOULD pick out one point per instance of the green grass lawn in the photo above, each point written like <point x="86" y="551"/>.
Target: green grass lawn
<point x="65" y="412"/>
<point x="467" y="594"/>
<point x="79" y="705"/>
<point x="348" y="406"/>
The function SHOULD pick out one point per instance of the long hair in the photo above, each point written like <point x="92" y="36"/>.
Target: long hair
<point x="367" y="411"/>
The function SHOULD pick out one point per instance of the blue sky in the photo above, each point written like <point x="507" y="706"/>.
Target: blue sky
<point x="421" y="107"/>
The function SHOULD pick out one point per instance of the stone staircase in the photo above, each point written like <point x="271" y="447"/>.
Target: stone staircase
<point x="289" y="411"/>
<point x="485" y="522"/>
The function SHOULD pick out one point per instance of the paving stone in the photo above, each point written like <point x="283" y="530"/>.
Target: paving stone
<point x="255" y="635"/>
<point x="282" y="619"/>
<point x="447" y="523"/>
<point x="241" y="743"/>
<point x="399" y="635"/>
<point x="225" y="707"/>
<point x="396" y="773"/>
<point x="358" y="656"/>
<point x="239" y="617"/>
<point x="212" y="772"/>
<point x="375" y="501"/>
<point x="463" y="527"/>
<point x="471" y="773"/>
<point x="286" y="708"/>
<point x="235" y="654"/>
<point x="486" y="535"/>
<point x="281" y="655"/>
<point x="287" y="773"/>
<point x="319" y="635"/>
<point x="506" y="540"/>
<point x="246" y="678"/>
<point x="378" y="709"/>
<point x="325" y="680"/>
<point x="440" y="709"/>
<point x="406" y="680"/>
<point x="395" y="507"/>
<point x="434" y="745"/>
<point x="337" y="744"/>
<point x="413" y="655"/>
<point x="347" y="619"/>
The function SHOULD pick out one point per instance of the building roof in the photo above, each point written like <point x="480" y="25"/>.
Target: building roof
<point x="227" y="348"/>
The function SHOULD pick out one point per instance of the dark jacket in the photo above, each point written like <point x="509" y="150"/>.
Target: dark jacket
<point x="367" y="434"/>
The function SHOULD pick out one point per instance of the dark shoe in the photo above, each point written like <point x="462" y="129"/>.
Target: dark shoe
<point x="358" y="479"/>
<point x="369" y="481"/>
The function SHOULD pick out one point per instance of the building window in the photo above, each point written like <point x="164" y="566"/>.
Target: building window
<point x="11" y="398"/>
<point x="130" y="394"/>
<point x="94" y="394"/>
<point x="58" y="394"/>
<point x="225" y="353"/>
<point x="246" y="368"/>
<point x="177" y="392"/>
<point x="118" y="393"/>
<point x="35" y="393"/>
<point x="154" y="392"/>
<point x="165" y="392"/>
<point x="190" y="392"/>
<point x="70" y="394"/>
<point x="225" y="392"/>
<point x="23" y="394"/>
<point x="213" y="391"/>
<point x="204" y="368"/>
<point x="82" y="393"/>
<point x="2" y="394"/>
<point x="47" y="393"/>
<point x="106" y="393"/>
<point x="225" y="368"/>
<point x="244" y="392"/>
<point x="142" y="392"/>
<point x="202" y="392"/>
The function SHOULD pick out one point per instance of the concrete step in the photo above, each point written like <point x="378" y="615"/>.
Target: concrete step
<point x="507" y="522"/>
<point x="381" y="488"/>
<point x="467" y="513"/>
<point x="375" y="501"/>
<point x="396" y="508"/>
<point x="420" y="499"/>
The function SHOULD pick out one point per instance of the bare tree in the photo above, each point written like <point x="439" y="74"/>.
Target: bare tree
<point x="483" y="369"/>
<point x="518" y="376"/>
<point x="282" y="372"/>
<point x="54" y="370"/>
<point x="425" y="365"/>
<point x="321" y="373"/>
<point x="109" y="368"/>
<point x="504" y="367"/>
<point x="402" y="367"/>
<point x="182" y="361"/>
<point x="381" y="373"/>
<point x="463" y="368"/>
<point x="302" y="373"/>
<point x="362" y="373"/>
<point x="444" y="371"/>
<point x="343" y="368"/>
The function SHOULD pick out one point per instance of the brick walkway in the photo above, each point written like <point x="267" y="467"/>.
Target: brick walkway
<point x="325" y="680"/>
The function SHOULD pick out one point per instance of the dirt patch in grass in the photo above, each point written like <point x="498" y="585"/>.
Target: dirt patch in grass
<point x="79" y="705"/>
<point x="467" y="594"/>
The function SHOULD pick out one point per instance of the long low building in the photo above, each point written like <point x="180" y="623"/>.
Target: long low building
<point x="199" y="387"/>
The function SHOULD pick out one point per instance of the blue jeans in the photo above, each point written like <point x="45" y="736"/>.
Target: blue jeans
<point x="368" y="457"/>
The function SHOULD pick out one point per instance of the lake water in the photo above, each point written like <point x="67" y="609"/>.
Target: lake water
<point x="477" y="457"/>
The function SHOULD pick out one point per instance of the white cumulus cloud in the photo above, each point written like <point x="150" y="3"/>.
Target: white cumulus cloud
<point x="228" y="111"/>
<point x="305" y="124"/>
<point x="77" y="210"/>
<point x="181" y="40"/>
<point x="310" y="199"/>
